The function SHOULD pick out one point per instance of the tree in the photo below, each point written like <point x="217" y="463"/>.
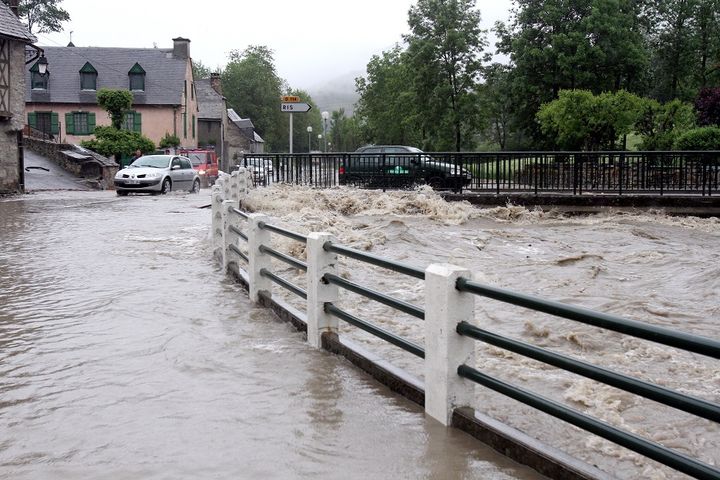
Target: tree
<point x="445" y="47"/>
<point x="595" y="45"/>
<point x="579" y="120"/>
<point x="386" y="107"/>
<point x="117" y="103"/>
<point x="344" y="132"/>
<point x="200" y="70"/>
<point x="707" y="106"/>
<point x="661" y="125"/>
<point x="253" y="89"/>
<point x="496" y="102"/>
<point x="43" y="15"/>
<point x="110" y="141"/>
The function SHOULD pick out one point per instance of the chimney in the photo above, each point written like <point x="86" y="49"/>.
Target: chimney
<point x="181" y="48"/>
<point x="215" y="83"/>
<point x="13" y="4"/>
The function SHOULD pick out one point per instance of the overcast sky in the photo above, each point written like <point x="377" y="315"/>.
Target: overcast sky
<point x="313" y="40"/>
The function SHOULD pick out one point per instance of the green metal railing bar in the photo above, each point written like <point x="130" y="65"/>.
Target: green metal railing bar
<point x="372" y="329"/>
<point x="284" y="283"/>
<point x="637" y="444"/>
<point x="238" y="232"/>
<point x="239" y="212"/>
<point x="684" y="341"/>
<point x="695" y="406"/>
<point x="405" y="307"/>
<point x="239" y="252"/>
<point x="292" y="261"/>
<point x="375" y="260"/>
<point x="283" y="232"/>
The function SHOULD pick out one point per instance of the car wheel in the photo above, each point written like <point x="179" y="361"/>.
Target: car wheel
<point x="122" y="193"/>
<point x="435" y="182"/>
<point x="196" y="186"/>
<point x="354" y="181"/>
<point x="166" y="186"/>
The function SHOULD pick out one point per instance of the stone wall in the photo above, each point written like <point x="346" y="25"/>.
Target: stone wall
<point x="99" y="170"/>
<point x="9" y="127"/>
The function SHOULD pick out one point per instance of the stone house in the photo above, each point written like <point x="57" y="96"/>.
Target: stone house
<point x="221" y="127"/>
<point x="14" y="39"/>
<point x="63" y="103"/>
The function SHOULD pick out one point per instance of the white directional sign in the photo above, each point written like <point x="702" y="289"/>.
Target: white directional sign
<point x="295" y="107"/>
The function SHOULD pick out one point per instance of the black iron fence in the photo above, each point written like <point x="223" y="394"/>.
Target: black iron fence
<point x="657" y="173"/>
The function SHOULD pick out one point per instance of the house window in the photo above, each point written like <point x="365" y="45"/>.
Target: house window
<point x="39" y="82"/>
<point x="136" y="76"/>
<point x="80" y="123"/>
<point x="45" y="122"/>
<point x="88" y="77"/>
<point x="133" y="122"/>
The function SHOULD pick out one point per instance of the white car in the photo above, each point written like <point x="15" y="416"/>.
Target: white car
<point x="158" y="174"/>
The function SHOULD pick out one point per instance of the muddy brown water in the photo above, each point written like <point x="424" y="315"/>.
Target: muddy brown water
<point x="126" y="353"/>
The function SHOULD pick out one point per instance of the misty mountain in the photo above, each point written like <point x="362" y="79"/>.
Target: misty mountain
<point x="336" y="93"/>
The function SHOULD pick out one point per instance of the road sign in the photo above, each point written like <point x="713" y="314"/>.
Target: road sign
<point x="295" y="107"/>
<point x="291" y="99"/>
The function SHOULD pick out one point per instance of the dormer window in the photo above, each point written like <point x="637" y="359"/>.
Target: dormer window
<point x="136" y="76"/>
<point x="38" y="81"/>
<point x="88" y="77"/>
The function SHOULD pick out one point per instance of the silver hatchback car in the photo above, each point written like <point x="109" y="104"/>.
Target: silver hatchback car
<point x="158" y="174"/>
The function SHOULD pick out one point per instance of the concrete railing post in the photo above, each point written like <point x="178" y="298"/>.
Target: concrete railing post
<point x="319" y="263"/>
<point x="216" y="199"/>
<point x="445" y="349"/>
<point x="258" y="260"/>
<point x="227" y="235"/>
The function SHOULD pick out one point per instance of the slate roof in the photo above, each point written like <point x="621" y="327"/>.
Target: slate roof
<point x="12" y="27"/>
<point x="210" y="103"/>
<point x="164" y="76"/>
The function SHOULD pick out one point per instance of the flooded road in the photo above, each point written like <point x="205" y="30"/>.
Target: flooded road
<point x="126" y="353"/>
<point x="645" y="266"/>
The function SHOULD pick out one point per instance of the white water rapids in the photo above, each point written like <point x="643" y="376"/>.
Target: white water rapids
<point x="646" y="266"/>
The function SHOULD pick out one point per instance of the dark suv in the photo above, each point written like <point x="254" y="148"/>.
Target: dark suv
<point x="399" y="166"/>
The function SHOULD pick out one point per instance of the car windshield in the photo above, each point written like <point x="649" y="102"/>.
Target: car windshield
<point x="196" y="158"/>
<point x="155" y="161"/>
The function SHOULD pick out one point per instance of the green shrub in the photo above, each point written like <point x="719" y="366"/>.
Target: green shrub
<point x="703" y="138"/>
<point x="169" y="141"/>
<point x="110" y="142"/>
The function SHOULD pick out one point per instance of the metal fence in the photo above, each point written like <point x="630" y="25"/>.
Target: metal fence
<point x="245" y="239"/>
<point x="618" y="173"/>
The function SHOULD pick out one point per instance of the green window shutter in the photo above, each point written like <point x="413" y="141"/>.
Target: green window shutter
<point x="193" y="126"/>
<point x="91" y="122"/>
<point x="32" y="119"/>
<point x="184" y="125"/>
<point x="54" y="123"/>
<point x="137" y="122"/>
<point x="69" y="123"/>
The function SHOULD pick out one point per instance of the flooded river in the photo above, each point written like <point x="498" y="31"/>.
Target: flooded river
<point x="126" y="353"/>
<point x="646" y="266"/>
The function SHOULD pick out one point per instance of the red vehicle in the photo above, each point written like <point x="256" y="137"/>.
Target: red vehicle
<point x="205" y="162"/>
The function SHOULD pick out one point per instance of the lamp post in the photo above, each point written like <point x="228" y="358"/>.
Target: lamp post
<point x="319" y="141"/>
<point x="325" y="116"/>
<point x="309" y="130"/>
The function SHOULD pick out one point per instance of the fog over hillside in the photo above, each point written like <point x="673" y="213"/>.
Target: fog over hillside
<point x="336" y="93"/>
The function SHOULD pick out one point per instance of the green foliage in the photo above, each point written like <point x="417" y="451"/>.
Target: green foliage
<point x="579" y="120"/>
<point x="110" y="141"/>
<point x="595" y="45"/>
<point x="169" y="141"/>
<point x="200" y="70"/>
<point x="253" y="89"/>
<point x="496" y="103"/>
<point x="42" y="16"/>
<point x="660" y="125"/>
<point x="117" y="103"/>
<point x="344" y="132"/>
<point x="703" y="138"/>
<point x="386" y="108"/>
<point x="445" y="47"/>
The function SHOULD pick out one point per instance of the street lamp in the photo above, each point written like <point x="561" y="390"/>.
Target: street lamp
<point x="325" y="116"/>
<point x="319" y="140"/>
<point x="309" y="130"/>
<point x="42" y="65"/>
